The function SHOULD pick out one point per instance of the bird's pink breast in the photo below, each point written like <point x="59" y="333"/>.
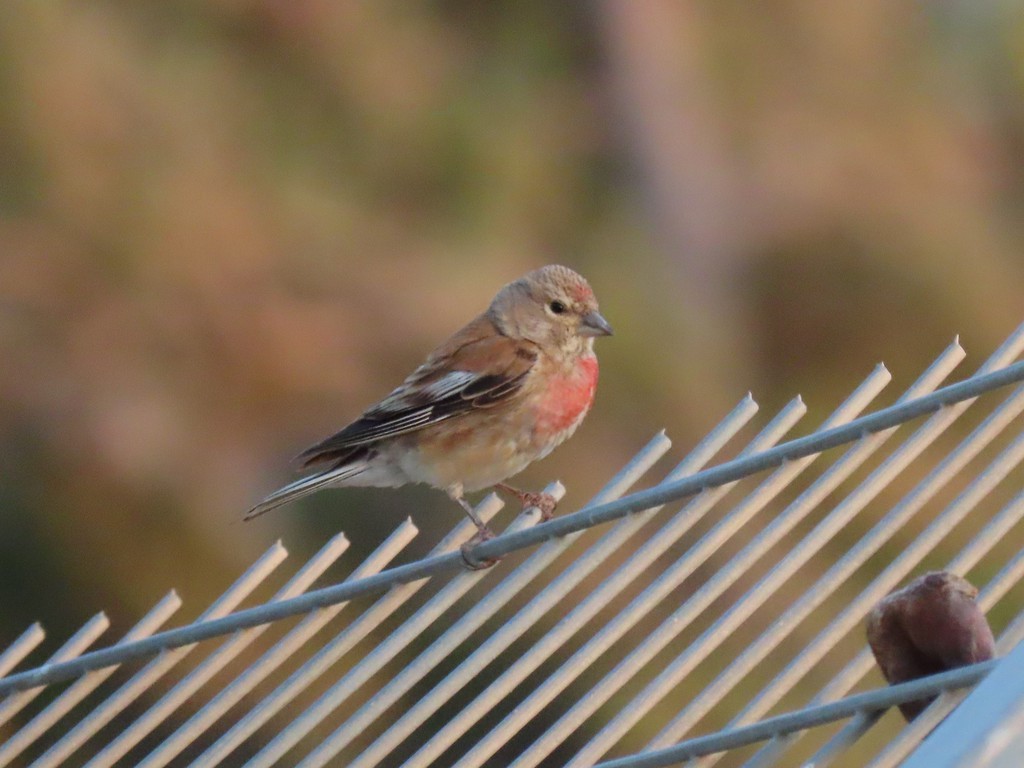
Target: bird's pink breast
<point x="567" y="399"/>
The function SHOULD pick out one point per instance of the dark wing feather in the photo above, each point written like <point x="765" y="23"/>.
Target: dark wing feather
<point x="476" y="368"/>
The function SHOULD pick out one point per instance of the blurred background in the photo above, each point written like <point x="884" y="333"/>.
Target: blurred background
<point x="226" y="227"/>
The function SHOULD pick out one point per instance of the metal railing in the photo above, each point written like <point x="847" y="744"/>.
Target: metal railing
<point x="624" y="627"/>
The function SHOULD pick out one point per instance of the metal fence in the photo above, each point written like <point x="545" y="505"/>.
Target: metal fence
<point x="728" y="628"/>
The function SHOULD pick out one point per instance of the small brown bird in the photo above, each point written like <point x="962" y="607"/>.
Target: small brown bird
<point x="502" y="392"/>
<point x="929" y="626"/>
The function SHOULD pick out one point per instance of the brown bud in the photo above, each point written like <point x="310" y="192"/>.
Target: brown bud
<point x="929" y="626"/>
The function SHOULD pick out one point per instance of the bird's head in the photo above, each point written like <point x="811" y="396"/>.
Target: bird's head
<point x="553" y="307"/>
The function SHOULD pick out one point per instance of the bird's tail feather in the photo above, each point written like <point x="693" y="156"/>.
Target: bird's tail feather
<point x="304" y="487"/>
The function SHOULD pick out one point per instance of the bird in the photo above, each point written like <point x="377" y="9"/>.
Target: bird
<point x="929" y="626"/>
<point x="498" y="394"/>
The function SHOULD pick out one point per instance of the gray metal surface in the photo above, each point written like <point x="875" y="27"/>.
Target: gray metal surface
<point x="803" y="719"/>
<point x="647" y="638"/>
<point x="986" y="729"/>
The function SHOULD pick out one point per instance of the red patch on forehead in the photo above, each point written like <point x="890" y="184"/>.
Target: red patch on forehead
<point x="581" y="292"/>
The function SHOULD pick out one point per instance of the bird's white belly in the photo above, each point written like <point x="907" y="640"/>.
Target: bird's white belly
<point x="476" y="458"/>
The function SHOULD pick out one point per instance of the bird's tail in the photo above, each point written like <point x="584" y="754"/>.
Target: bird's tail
<point x="304" y="487"/>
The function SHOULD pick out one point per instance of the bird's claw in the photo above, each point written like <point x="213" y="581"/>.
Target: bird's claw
<point x="545" y="503"/>
<point x="483" y="534"/>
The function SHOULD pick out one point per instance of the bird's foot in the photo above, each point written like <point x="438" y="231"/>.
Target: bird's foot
<point x="482" y="534"/>
<point x="544" y="502"/>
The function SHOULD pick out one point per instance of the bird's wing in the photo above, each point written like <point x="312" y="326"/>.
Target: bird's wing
<point x="476" y="368"/>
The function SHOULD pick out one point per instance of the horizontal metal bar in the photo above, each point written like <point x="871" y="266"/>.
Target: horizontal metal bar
<point x="840" y="571"/>
<point x="857" y="726"/>
<point x="147" y="676"/>
<point x="626" y="667"/>
<point x="638" y="562"/>
<point x="911" y="554"/>
<point x="508" y="543"/>
<point x="78" y="642"/>
<point x="513" y="584"/>
<point x="470" y="667"/>
<point x="397" y="641"/>
<point x="318" y="664"/>
<point x="212" y="664"/>
<point x="231" y="693"/>
<point x="60" y="706"/>
<point x="907" y="740"/>
<point x="671" y="675"/>
<point x="898" y="748"/>
<point x="809" y="717"/>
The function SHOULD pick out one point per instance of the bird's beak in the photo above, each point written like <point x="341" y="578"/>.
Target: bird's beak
<point x="593" y="324"/>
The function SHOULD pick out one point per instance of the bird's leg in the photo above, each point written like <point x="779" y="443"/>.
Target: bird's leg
<point x="545" y="502"/>
<point x="455" y="493"/>
<point x="483" y="532"/>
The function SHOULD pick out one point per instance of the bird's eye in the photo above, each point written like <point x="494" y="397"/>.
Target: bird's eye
<point x="557" y="307"/>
